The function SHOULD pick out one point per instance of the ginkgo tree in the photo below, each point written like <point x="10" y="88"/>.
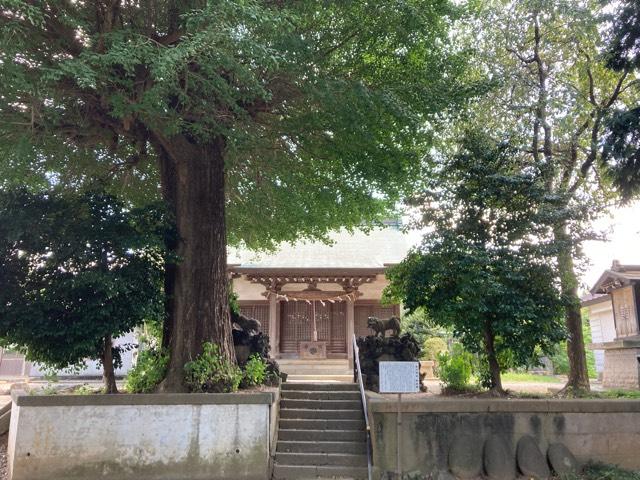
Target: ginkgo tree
<point x="257" y="121"/>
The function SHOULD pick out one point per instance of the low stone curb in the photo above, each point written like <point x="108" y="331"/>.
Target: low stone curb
<point x="452" y="405"/>
<point x="22" y="399"/>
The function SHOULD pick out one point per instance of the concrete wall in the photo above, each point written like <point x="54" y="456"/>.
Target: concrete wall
<point x="142" y="437"/>
<point x="601" y="430"/>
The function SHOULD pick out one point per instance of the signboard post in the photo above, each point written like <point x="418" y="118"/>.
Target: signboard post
<point x="399" y="377"/>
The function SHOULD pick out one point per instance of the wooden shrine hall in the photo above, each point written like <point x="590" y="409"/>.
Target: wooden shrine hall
<point x="311" y="297"/>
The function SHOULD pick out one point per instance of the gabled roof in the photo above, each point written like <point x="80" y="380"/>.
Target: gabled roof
<point x="616" y="277"/>
<point x="590" y="299"/>
<point x="358" y="250"/>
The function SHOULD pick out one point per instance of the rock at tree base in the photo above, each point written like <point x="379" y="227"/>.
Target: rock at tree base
<point x="531" y="462"/>
<point x="465" y="457"/>
<point x="561" y="459"/>
<point x="499" y="460"/>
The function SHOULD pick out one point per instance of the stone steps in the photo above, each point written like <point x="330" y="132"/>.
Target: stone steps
<point x="321" y="433"/>
<point x="298" y="446"/>
<point x="346" y="378"/>
<point x="305" y="413"/>
<point x="314" y="368"/>
<point x="320" y="386"/>
<point x="317" y="472"/>
<point x="320" y="395"/>
<point x="321" y="424"/>
<point x="320" y="404"/>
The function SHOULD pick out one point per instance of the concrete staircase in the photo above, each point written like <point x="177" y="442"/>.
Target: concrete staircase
<point x="321" y="432"/>
<point x="328" y="370"/>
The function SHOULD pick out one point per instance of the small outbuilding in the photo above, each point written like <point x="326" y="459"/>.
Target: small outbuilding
<point x="614" y="309"/>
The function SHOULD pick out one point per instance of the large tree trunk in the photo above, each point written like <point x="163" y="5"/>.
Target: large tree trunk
<point x="494" y="366"/>
<point x="108" y="372"/>
<point x="198" y="304"/>
<point x="578" y="373"/>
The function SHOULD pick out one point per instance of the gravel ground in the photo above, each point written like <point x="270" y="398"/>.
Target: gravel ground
<point x="4" y="474"/>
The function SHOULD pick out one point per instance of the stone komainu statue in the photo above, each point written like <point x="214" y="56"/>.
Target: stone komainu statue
<point x="381" y="326"/>
<point x="245" y="324"/>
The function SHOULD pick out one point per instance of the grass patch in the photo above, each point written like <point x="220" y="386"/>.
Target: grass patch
<point x="628" y="394"/>
<point x="602" y="472"/>
<point x="529" y="378"/>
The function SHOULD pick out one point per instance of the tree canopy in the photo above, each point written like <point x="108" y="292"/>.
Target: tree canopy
<point x="76" y="270"/>
<point x="485" y="269"/>
<point x="279" y="119"/>
<point x="621" y="153"/>
<point x="551" y="98"/>
<point x="322" y="106"/>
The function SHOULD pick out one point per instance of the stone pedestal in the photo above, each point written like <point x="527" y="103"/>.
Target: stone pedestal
<point x="621" y="364"/>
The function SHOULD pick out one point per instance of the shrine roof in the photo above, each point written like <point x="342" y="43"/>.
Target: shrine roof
<point x="358" y="250"/>
<point x="617" y="276"/>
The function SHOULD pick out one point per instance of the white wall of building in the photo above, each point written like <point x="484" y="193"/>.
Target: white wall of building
<point x="602" y="328"/>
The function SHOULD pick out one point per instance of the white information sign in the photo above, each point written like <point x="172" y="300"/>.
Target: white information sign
<point x="399" y="377"/>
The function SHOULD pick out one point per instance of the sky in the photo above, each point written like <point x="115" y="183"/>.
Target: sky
<point x="623" y="244"/>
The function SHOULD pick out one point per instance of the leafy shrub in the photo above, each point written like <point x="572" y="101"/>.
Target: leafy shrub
<point x="455" y="368"/>
<point x="432" y="347"/>
<point x="210" y="372"/>
<point x="149" y="370"/>
<point x="255" y="371"/>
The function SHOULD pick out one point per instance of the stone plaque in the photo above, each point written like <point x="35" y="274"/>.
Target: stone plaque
<point x="399" y="377"/>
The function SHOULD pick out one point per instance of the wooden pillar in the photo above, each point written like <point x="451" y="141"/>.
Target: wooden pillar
<point x="350" y="328"/>
<point x="274" y="333"/>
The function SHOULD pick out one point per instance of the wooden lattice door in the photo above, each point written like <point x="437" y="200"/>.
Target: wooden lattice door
<point x="257" y="311"/>
<point x="296" y="325"/>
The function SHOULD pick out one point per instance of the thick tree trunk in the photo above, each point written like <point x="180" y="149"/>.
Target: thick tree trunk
<point x="198" y="303"/>
<point x="494" y="366"/>
<point x="108" y="372"/>
<point x="578" y="373"/>
<point x="169" y="191"/>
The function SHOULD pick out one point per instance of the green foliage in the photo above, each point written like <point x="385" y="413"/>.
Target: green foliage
<point x="255" y="371"/>
<point x="148" y="372"/>
<point x="419" y="324"/>
<point x="432" y="347"/>
<point x="484" y="272"/>
<point x="324" y="121"/>
<point x="455" y="368"/>
<point x="621" y="152"/>
<point x="212" y="373"/>
<point x="601" y="471"/>
<point x="75" y="268"/>
<point x="560" y="359"/>
<point x="234" y="306"/>
<point x="624" y="41"/>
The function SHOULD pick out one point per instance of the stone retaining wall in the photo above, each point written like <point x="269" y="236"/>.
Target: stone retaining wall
<point x="600" y="430"/>
<point x="142" y="437"/>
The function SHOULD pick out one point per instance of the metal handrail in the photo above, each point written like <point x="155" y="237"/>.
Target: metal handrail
<point x="358" y="374"/>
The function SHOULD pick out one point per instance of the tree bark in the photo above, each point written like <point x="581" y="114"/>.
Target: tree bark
<point x="108" y="372"/>
<point x="494" y="366"/>
<point x="169" y="190"/>
<point x="198" y="304"/>
<point x="578" y="372"/>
